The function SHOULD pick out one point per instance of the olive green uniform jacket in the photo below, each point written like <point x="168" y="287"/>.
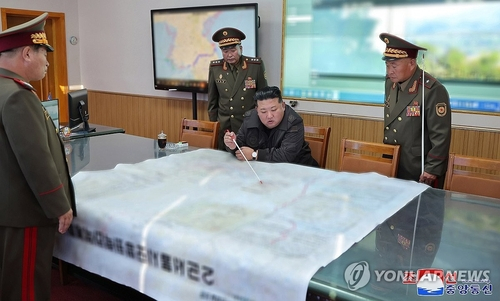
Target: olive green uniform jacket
<point x="403" y="125"/>
<point x="35" y="184"/>
<point x="230" y="97"/>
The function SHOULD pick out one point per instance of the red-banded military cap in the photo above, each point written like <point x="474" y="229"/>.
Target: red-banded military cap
<point x="228" y="36"/>
<point x="26" y="34"/>
<point x="397" y="48"/>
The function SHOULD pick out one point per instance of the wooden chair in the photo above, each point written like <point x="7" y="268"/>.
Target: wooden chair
<point x="473" y="175"/>
<point x="361" y="156"/>
<point x="318" y="138"/>
<point x="199" y="133"/>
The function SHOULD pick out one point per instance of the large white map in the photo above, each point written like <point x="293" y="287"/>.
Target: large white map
<point x="199" y="225"/>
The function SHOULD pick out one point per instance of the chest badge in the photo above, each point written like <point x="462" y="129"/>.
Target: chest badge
<point x="220" y="80"/>
<point x="414" y="110"/>
<point x="250" y="83"/>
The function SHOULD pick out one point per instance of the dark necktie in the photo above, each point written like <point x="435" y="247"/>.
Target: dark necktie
<point x="234" y="72"/>
<point x="398" y="87"/>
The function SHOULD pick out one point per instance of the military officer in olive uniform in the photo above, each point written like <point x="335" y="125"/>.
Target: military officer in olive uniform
<point x="232" y="82"/>
<point x="37" y="196"/>
<point x="404" y="110"/>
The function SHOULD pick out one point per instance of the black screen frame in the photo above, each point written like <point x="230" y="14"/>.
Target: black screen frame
<point x="78" y="111"/>
<point x="198" y="86"/>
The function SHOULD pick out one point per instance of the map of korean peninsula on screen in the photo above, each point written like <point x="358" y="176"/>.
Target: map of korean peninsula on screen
<point x="183" y="46"/>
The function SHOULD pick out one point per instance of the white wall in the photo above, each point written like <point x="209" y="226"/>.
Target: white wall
<point x="116" y="51"/>
<point x="70" y="10"/>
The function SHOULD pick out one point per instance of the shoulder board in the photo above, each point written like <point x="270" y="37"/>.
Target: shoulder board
<point x="22" y="83"/>
<point x="429" y="80"/>
<point x="216" y="63"/>
<point x="247" y="113"/>
<point x="253" y="60"/>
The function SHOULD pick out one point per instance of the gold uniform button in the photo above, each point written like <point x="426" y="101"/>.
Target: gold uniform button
<point x="225" y="89"/>
<point x="395" y="131"/>
<point x="230" y="108"/>
<point x="244" y="89"/>
<point x="232" y="116"/>
<point x="242" y="107"/>
<point x="399" y="118"/>
<point x="395" y="141"/>
<point x="387" y="115"/>
<point x="385" y="138"/>
<point x="386" y="127"/>
<point x="242" y="98"/>
<point x="392" y="227"/>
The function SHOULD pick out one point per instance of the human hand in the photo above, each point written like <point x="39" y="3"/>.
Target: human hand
<point x="65" y="221"/>
<point x="245" y="151"/>
<point x="229" y="140"/>
<point x="427" y="178"/>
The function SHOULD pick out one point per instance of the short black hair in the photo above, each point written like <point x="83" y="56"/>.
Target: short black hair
<point x="268" y="92"/>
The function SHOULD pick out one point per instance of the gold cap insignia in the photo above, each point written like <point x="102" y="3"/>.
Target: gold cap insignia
<point x="39" y="38"/>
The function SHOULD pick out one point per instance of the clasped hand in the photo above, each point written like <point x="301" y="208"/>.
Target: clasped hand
<point x="427" y="178"/>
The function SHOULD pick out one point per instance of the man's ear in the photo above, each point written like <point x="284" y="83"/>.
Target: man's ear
<point x="27" y="52"/>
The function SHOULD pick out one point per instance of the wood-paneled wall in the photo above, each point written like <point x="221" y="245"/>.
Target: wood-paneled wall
<point x="146" y="116"/>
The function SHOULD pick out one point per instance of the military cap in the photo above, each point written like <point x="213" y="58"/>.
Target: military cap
<point x="397" y="48"/>
<point x="228" y="36"/>
<point x="29" y="33"/>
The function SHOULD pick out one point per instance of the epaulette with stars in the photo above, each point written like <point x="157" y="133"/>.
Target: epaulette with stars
<point x="216" y="63"/>
<point x="253" y="60"/>
<point x="429" y="80"/>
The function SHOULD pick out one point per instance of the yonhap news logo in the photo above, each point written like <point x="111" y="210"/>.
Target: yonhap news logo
<point x="357" y="275"/>
<point x="437" y="282"/>
<point x="429" y="282"/>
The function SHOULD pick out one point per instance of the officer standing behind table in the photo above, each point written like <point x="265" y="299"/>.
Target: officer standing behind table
<point x="232" y="82"/>
<point x="403" y="114"/>
<point x="272" y="132"/>
<point x="37" y="196"/>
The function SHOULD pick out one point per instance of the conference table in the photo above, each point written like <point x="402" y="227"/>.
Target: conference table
<point x="195" y="224"/>
<point x="455" y="236"/>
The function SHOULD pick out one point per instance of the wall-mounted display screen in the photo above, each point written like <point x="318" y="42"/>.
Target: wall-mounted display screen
<point x="183" y="46"/>
<point x="332" y="49"/>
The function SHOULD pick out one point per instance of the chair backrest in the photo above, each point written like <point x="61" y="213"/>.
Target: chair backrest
<point x="318" y="137"/>
<point x="361" y="156"/>
<point x="199" y="133"/>
<point x="473" y="175"/>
